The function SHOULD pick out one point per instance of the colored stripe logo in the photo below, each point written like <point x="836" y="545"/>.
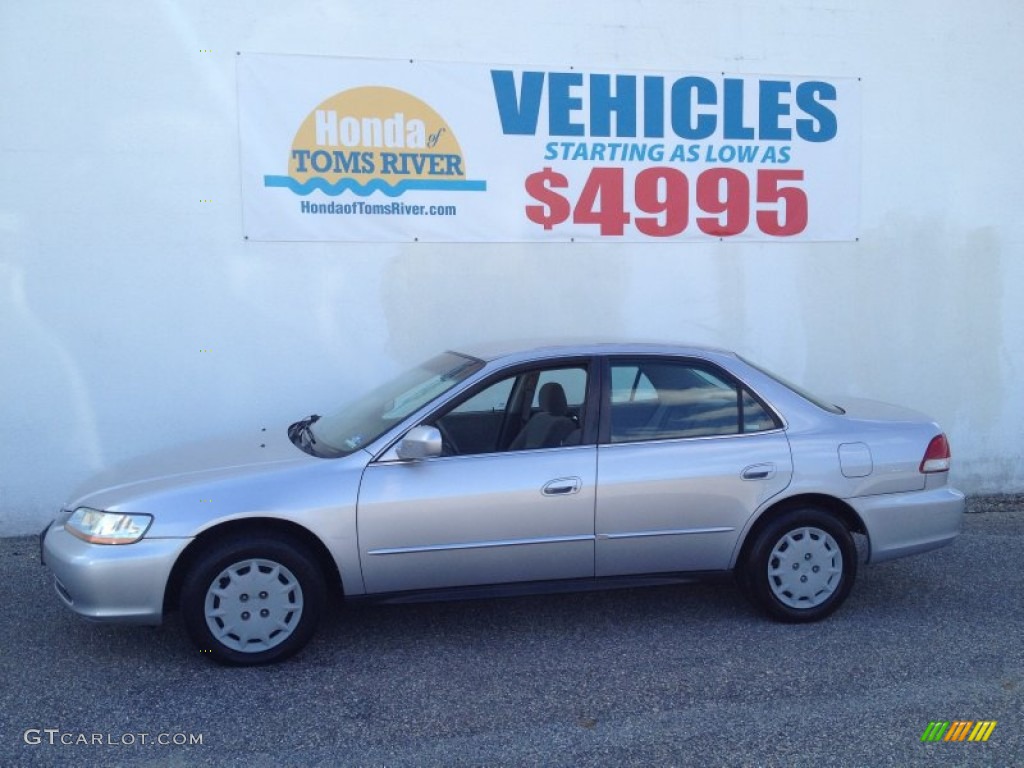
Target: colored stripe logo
<point x="958" y="730"/>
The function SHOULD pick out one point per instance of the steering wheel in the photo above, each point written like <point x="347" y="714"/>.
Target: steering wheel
<point x="448" y="446"/>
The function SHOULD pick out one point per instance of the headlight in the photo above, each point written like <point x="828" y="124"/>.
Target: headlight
<point x="99" y="527"/>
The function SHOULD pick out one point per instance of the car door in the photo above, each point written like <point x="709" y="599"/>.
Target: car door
<point x="487" y="513"/>
<point x="687" y="454"/>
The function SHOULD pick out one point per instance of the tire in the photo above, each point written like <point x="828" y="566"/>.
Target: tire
<point x="252" y="600"/>
<point x="801" y="566"/>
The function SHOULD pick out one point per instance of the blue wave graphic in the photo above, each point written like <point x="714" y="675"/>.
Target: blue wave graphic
<point x="373" y="185"/>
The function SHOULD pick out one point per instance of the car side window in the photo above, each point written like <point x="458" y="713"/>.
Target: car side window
<point x="680" y="399"/>
<point x="536" y="408"/>
<point x="493" y="399"/>
<point x="756" y="417"/>
<point x="630" y="384"/>
<point x="573" y="382"/>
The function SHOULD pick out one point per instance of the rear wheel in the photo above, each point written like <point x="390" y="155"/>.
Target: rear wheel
<point x="801" y="566"/>
<point x="253" y="600"/>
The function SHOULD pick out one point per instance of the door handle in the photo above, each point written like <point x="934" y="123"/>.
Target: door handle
<point x="563" y="486"/>
<point x="759" y="472"/>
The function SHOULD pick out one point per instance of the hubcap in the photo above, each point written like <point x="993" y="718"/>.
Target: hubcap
<point x="805" y="567"/>
<point x="253" y="605"/>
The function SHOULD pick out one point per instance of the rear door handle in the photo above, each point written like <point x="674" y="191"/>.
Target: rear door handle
<point x="563" y="486"/>
<point x="759" y="472"/>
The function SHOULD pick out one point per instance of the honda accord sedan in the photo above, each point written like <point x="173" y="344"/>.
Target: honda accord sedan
<point x="473" y="474"/>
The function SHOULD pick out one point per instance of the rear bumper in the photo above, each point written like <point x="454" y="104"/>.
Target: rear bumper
<point x="901" y="524"/>
<point x="118" y="583"/>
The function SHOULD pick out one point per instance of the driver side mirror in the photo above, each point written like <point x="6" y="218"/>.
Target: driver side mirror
<point x="420" y="442"/>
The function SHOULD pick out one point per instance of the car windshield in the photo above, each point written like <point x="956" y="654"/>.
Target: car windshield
<point x="830" y="407"/>
<point x="361" y="422"/>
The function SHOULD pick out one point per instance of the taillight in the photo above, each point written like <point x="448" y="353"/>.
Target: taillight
<point x="936" y="458"/>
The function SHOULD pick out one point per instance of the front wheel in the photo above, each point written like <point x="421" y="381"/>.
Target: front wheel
<point x="801" y="566"/>
<point x="249" y="601"/>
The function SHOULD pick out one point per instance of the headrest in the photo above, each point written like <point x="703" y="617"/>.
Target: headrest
<point x="552" y="399"/>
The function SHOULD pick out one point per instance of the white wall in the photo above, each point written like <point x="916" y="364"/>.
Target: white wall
<point x="114" y="276"/>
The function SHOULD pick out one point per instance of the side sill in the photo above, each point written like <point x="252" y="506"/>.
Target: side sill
<point x="490" y="591"/>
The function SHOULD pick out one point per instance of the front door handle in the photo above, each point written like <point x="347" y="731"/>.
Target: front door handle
<point x="563" y="486"/>
<point x="759" y="472"/>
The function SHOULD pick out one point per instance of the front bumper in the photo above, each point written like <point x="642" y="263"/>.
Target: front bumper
<point x="118" y="583"/>
<point x="901" y="524"/>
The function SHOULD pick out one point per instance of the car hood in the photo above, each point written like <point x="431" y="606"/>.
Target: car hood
<point x="198" y="462"/>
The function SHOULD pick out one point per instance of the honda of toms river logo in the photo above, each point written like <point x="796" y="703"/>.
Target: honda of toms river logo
<point x="375" y="139"/>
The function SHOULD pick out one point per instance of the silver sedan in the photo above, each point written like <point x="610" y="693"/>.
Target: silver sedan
<point x="559" y="467"/>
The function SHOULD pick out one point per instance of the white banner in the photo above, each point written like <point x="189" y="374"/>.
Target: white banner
<point x="391" y="151"/>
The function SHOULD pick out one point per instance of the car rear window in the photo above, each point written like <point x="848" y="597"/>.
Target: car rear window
<point x="823" y="404"/>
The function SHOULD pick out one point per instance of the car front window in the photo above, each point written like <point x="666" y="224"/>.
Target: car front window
<point x="364" y="420"/>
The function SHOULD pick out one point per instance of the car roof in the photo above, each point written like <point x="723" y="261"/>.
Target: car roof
<point x="533" y="349"/>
